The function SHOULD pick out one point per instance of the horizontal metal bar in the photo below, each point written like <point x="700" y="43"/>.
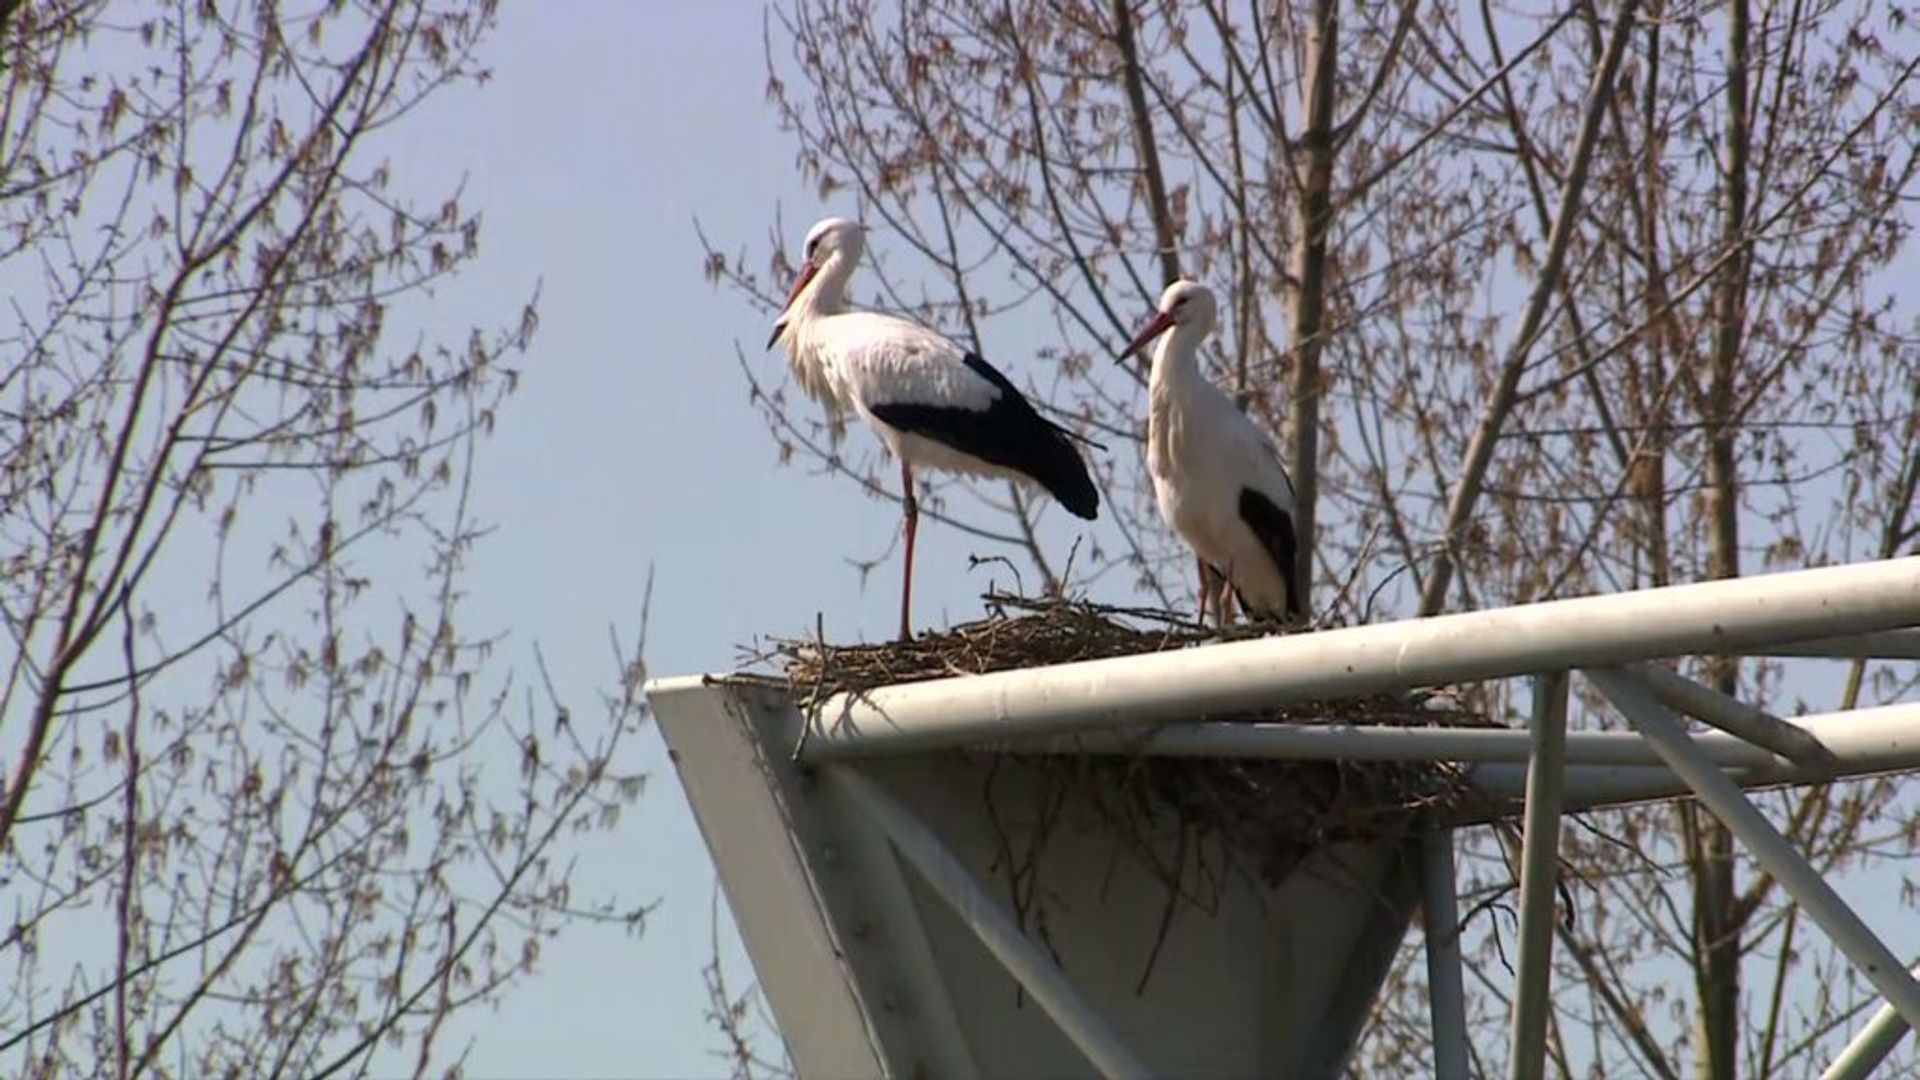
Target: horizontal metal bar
<point x="1878" y="739"/>
<point x="1027" y="962"/>
<point x="1757" y="726"/>
<point x="1717" y="616"/>
<point x="1380" y="742"/>
<point x="1883" y="645"/>
<point x="1870" y="956"/>
<point x="1592" y="787"/>
<point x="1863" y="741"/>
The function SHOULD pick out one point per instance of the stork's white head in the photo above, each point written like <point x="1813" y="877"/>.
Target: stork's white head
<point x="832" y="248"/>
<point x="1185" y="304"/>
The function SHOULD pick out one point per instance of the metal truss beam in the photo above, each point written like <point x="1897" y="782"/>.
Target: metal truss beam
<point x="1883" y="645"/>
<point x="1717" y="616"/>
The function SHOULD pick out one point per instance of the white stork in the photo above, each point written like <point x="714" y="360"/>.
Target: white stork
<point x="932" y="402"/>
<point x="1216" y="476"/>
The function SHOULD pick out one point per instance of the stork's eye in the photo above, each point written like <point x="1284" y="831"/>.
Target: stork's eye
<point x="811" y="245"/>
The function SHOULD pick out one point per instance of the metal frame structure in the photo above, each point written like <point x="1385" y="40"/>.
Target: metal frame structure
<point x="1158" y="704"/>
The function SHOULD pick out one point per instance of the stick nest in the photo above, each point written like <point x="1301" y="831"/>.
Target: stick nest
<point x="1251" y="813"/>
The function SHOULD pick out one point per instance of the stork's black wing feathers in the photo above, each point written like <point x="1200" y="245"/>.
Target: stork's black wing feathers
<point x="1273" y="527"/>
<point x="1009" y="433"/>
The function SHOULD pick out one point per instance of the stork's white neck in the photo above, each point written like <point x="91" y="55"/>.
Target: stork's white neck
<point x="827" y="293"/>
<point x="1176" y="360"/>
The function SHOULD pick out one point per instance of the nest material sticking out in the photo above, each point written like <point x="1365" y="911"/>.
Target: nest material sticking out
<point x="1269" y="812"/>
<point x="1018" y="632"/>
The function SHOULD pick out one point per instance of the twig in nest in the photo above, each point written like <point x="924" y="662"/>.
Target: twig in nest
<point x="812" y="715"/>
<point x="1166" y="916"/>
<point x="975" y="562"/>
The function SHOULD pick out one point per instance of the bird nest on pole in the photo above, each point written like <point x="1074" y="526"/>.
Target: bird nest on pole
<point x="1188" y="817"/>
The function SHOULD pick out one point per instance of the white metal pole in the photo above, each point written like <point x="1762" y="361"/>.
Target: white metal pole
<point x="1446" y="991"/>
<point x="1715" y="616"/>
<point x="1869" y="1048"/>
<point x="1884" y="645"/>
<point x="1588" y="787"/>
<point x="1796" y="876"/>
<point x="1877" y="739"/>
<point x="1382" y="742"/>
<point x="1026" y="962"/>
<point x="1539" y="869"/>
<point x="1881" y="739"/>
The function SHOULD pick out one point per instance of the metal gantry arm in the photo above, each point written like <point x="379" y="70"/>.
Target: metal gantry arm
<point x="1157" y="705"/>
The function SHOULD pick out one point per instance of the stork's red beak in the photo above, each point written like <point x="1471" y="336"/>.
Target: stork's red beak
<point x="807" y="271"/>
<point x="1161" y="322"/>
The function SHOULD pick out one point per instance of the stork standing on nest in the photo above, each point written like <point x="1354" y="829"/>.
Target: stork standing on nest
<point x="1216" y="476"/>
<point x="933" y="403"/>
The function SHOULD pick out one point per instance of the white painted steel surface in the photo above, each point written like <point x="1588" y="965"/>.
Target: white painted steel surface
<point x="785" y="926"/>
<point x="1757" y="726"/>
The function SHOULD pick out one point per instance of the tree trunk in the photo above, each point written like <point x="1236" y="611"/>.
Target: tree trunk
<point x="1312" y="215"/>
<point x="1716" y="933"/>
<point x="1165" y="243"/>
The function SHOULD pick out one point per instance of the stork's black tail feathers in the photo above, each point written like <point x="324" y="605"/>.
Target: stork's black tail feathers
<point x="1064" y="474"/>
<point x="1273" y="527"/>
<point x="1009" y="433"/>
<point x="1046" y="451"/>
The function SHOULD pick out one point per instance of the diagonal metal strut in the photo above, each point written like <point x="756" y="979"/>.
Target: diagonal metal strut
<point x="1026" y="962"/>
<point x="1869" y="1048"/>
<point x="1725" y="800"/>
<point x="1755" y="725"/>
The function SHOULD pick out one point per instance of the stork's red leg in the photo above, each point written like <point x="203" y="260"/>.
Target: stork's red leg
<point x="1226" y="606"/>
<point x="912" y="506"/>
<point x="1206" y="588"/>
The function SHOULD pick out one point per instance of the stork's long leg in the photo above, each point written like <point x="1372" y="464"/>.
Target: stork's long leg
<point x="1226" y="602"/>
<point x="912" y="507"/>
<point x="1206" y="588"/>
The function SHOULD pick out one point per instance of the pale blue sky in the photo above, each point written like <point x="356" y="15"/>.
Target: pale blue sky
<point x="607" y="128"/>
